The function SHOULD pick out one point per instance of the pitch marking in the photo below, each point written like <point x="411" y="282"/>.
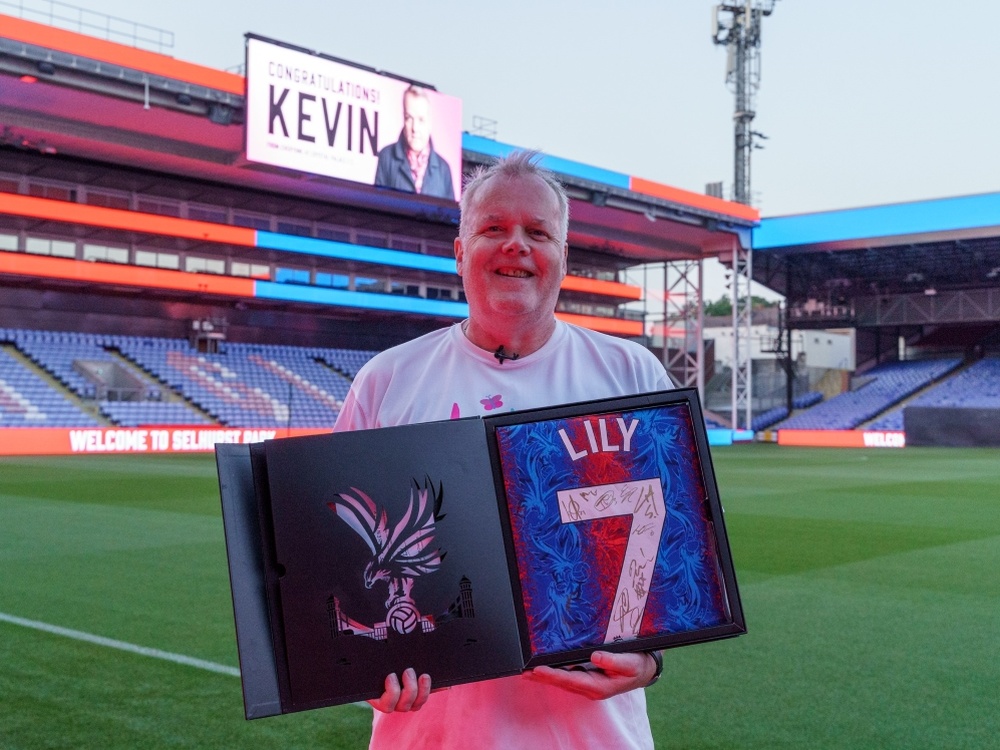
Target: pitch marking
<point x="156" y="653"/>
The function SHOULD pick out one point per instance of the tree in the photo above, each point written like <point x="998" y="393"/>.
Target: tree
<point x="723" y="306"/>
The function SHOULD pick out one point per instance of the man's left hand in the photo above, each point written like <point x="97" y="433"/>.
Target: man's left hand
<point x="608" y="674"/>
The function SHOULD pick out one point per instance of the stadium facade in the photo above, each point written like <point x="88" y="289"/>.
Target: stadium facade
<point x="129" y="207"/>
<point x="918" y="284"/>
<point x="140" y="210"/>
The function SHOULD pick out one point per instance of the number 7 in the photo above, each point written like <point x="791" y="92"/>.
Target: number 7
<point x="643" y="500"/>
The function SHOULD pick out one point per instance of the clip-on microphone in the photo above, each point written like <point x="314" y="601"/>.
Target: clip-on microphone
<point x="501" y="356"/>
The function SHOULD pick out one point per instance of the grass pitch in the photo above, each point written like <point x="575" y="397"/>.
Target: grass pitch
<point x="870" y="580"/>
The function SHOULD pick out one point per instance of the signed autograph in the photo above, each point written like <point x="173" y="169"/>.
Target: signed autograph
<point x="641" y="499"/>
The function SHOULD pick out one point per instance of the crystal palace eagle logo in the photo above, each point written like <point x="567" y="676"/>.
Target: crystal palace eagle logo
<point x="401" y="552"/>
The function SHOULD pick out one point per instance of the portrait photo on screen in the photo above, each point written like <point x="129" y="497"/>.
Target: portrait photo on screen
<point x="412" y="163"/>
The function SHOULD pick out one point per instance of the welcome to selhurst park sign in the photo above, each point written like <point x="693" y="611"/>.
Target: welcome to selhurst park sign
<point x="55" y="441"/>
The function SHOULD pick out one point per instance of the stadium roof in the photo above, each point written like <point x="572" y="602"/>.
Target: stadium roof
<point x="71" y="94"/>
<point x="922" y="247"/>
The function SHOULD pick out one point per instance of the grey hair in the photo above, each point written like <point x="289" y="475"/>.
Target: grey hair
<point x="518" y="164"/>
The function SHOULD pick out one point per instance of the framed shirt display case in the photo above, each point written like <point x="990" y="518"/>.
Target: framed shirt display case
<point x="473" y="549"/>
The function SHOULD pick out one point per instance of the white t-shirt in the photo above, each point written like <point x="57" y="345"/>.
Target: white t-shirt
<point x="443" y="375"/>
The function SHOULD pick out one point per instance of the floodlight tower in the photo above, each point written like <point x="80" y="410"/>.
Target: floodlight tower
<point x="737" y="26"/>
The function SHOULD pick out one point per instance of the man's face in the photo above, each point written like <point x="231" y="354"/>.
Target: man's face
<point x="512" y="259"/>
<point x="416" y="121"/>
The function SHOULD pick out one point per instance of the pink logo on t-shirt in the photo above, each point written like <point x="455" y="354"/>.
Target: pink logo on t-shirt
<point x="492" y="402"/>
<point x="489" y="404"/>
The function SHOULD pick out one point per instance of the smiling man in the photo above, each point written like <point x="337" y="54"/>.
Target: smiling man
<point x="511" y="353"/>
<point x="511" y="255"/>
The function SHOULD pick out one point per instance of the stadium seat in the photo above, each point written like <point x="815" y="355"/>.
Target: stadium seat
<point x="881" y="387"/>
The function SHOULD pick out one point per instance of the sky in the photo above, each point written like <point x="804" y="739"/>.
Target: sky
<point x="863" y="102"/>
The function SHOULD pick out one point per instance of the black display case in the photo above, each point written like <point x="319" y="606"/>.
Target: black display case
<point x="473" y="549"/>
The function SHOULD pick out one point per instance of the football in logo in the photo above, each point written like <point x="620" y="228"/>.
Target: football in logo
<point x="403" y="617"/>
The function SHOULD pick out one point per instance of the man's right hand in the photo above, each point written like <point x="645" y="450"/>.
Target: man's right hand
<point x="410" y="696"/>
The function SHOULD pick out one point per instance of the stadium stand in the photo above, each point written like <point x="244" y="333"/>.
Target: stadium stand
<point x="767" y="418"/>
<point x="347" y="361"/>
<point x="105" y="230"/>
<point x="26" y="400"/>
<point x="57" y="352"/>
<point x="776" y="414"/>
<point x="274" y="386"/>
<point x="248" y="385"/>
<point x="90" y="241"/>
<point x="140" y="413"/>
<point x="977" y="386"/>
<point x="245" y="385"/>
<point x="881" y="388"/>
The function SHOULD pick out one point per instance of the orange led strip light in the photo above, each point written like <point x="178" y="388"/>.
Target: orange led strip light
<point x="599" y="286"/>
<point x="132" y="221"/>
<point x="695" y="200"/>
<point x="101" y="50"/>
<point x="604" y="325"/>
<point x="107" y="273"/>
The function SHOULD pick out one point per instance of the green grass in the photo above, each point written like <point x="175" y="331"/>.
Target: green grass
<point x="870" y="581"/>
<point x="871" y="588"/>
<point x="129" y="548"/>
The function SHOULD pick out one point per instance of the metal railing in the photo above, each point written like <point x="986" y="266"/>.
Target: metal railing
<point x="75" y="18"/>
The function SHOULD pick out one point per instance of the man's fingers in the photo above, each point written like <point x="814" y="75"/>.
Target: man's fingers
<point x="627" y="665"/>
<point x="612" y="674"/>
<point x="408" y="695"/>
<point x="387" y="703"/>
<point x="423" y="692"/>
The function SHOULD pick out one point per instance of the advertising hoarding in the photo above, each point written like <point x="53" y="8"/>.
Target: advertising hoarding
<point x="843" y="438"/>
<point x="65" y="441"/>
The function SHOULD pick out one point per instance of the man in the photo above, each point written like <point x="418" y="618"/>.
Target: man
<point x="411" y="163"/>
<point x="512" y="353"/>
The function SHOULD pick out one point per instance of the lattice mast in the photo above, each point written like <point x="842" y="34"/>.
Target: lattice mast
<point x="737" y="27"/>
